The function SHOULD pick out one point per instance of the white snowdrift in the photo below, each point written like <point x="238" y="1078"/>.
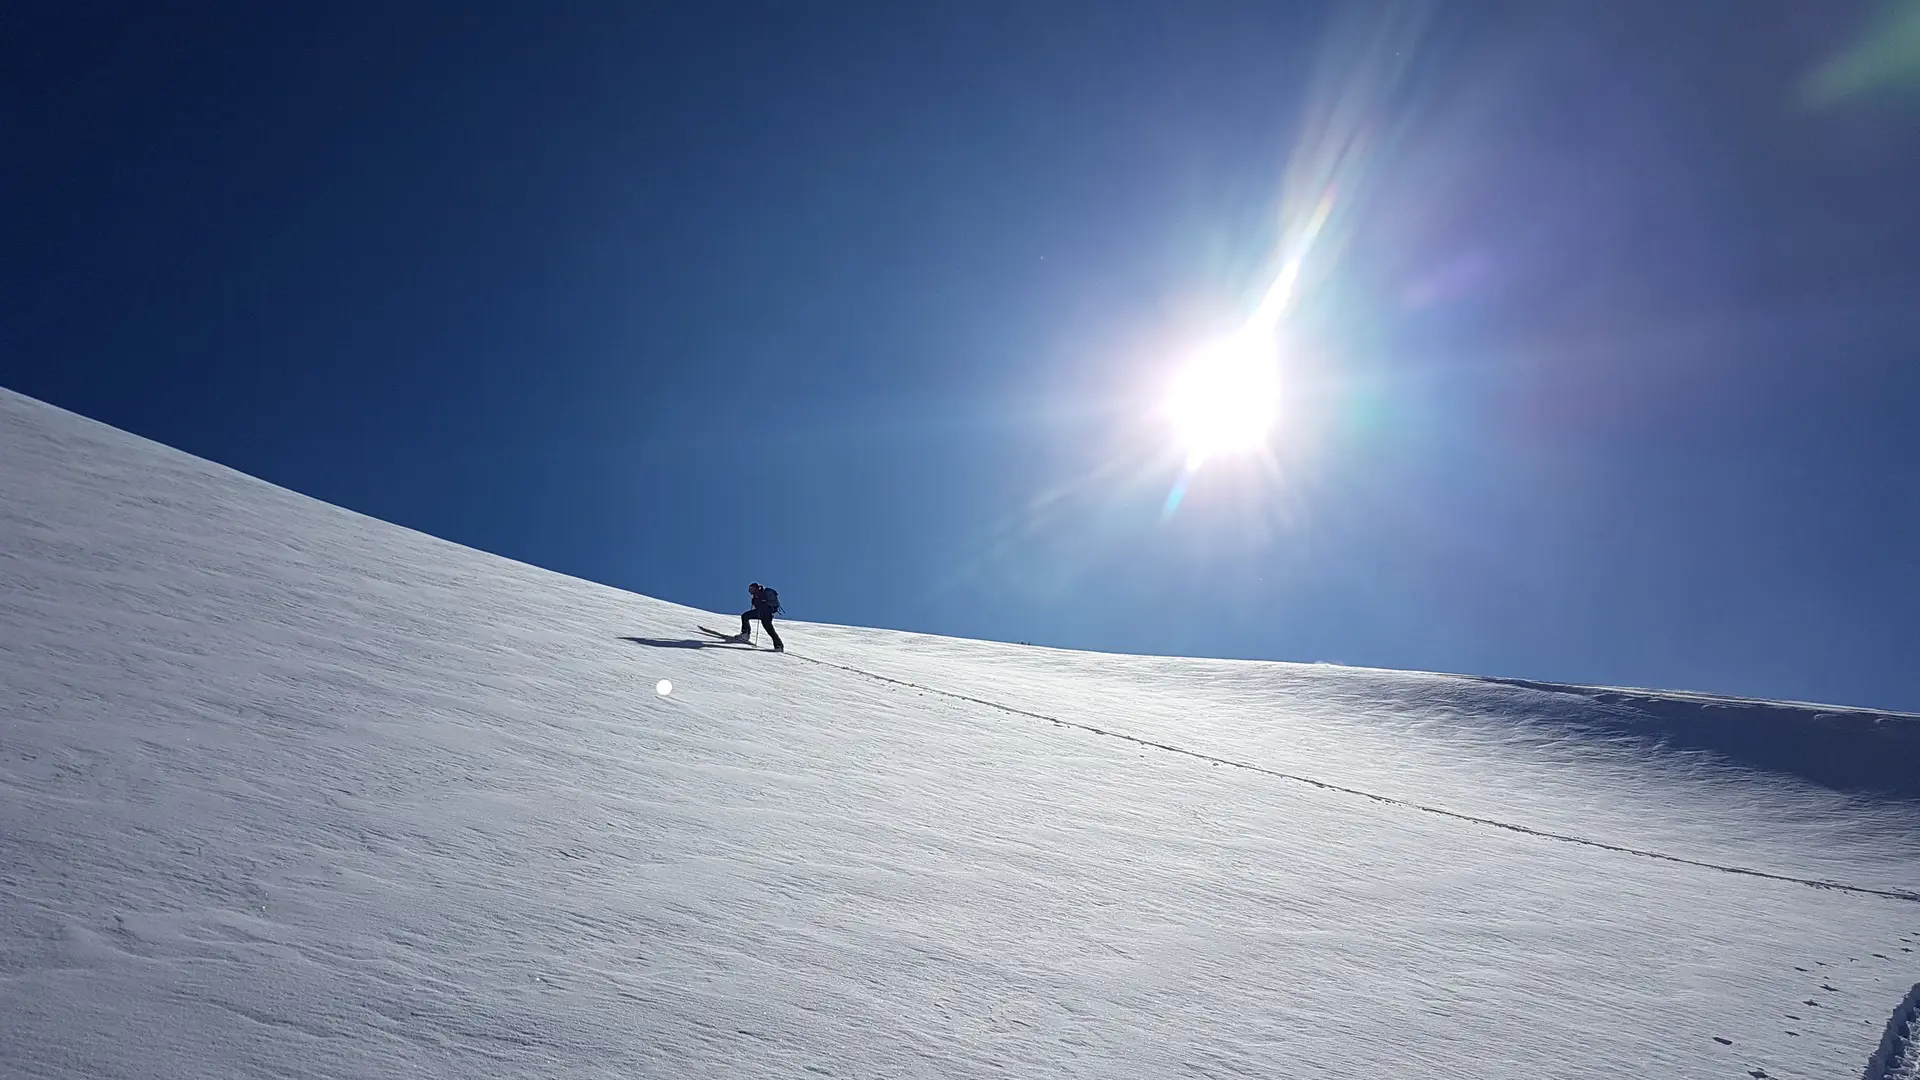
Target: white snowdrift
<point x="286" y="791"/>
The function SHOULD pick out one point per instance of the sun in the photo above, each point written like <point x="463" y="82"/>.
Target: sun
<point x="1225" y="400"/>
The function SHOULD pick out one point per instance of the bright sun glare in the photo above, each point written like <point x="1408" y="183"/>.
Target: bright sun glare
<point x="1225" y="400"/>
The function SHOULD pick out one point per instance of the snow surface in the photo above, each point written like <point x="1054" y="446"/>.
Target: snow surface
<point x="1898" y="1057"/>
<point x="287" y="791"/>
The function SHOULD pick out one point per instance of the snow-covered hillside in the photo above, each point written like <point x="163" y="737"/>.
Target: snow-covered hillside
<point x="286" y="791"/>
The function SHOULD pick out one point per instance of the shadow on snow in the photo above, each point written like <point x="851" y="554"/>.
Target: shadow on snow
<point x="1855" y="751"/>
<point x="684" y="643"/>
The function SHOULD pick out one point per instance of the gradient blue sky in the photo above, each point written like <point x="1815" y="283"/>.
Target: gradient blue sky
<point x="1608" y="374"/>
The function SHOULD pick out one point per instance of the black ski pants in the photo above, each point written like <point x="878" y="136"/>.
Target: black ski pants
<point x="766" y="620"/>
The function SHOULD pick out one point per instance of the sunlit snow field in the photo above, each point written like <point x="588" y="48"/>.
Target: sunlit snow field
<point x="287" y="791"/>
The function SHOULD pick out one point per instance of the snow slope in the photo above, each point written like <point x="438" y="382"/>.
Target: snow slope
<point x="286" y="791"/>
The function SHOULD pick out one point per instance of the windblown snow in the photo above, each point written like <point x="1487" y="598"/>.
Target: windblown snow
<point x="286" y="791"/>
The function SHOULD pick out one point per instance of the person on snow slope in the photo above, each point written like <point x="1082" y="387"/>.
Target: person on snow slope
<point x="766" y="603"/>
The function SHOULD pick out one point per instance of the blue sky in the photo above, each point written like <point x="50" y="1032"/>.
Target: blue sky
<point x="1604" y="371"/>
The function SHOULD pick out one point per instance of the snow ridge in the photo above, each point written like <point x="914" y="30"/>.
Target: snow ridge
<point x="1898" y="1057"/>
<point x="1387" y="800"/>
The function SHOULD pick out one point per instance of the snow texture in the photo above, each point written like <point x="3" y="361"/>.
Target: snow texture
<point x="1899" y="1055"/>
<point x="286" y="791"/>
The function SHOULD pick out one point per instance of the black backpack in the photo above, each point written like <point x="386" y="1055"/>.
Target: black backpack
<point x="770" y="599"/>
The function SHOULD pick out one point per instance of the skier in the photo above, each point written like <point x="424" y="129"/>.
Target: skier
<point x="766" y="603"/>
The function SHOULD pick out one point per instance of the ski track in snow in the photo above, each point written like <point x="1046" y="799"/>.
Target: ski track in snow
<point x="1891" y="894"/>
<point x="285" y="791"/>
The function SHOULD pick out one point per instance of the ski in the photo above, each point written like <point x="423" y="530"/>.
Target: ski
<point x="735" y="638"/>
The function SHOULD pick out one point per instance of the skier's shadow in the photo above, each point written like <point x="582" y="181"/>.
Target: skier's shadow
<point x="681" y="643"/>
